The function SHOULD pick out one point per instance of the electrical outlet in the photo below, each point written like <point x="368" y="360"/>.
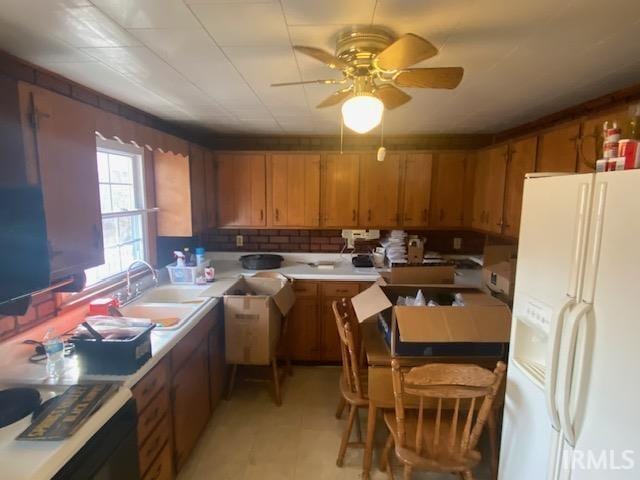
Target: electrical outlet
<point x="239" y="240"/>
<point x="457" y="243"/>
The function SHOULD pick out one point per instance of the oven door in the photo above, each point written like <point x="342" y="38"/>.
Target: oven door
<point x="111" y="454"/>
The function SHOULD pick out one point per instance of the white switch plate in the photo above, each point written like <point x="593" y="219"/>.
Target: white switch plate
<point x="239" y="240"/>
<point x="457" y="243"/>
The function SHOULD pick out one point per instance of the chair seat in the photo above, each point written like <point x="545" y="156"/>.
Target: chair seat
<point x="440" y="460"/>
<point x="352" y="397"/>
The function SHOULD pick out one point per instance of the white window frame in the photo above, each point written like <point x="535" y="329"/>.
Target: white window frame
<point x="117" y="148"/>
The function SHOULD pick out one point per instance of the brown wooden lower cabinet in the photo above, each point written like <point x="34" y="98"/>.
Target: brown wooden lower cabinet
<point x="312" y="333"/>
<point x="190" y="402"/>
<point x="175" y="399"/>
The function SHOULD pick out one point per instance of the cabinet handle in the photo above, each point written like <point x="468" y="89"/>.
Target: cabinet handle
<point x="368" y="215"/>
<point x="441" y="214"/>
<point x="151" y="387"/>
<point x="353" y="216"/>
<point x="156" y="472"/>
<point x="424" y="215"/>
<point x="277" y="214"/>
<point x="407" y="218"/>
<point x="261" y="215"/>
<point x="153" y="416"/>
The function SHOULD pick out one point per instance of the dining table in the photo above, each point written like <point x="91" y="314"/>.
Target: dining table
<point x="380" y="388"/>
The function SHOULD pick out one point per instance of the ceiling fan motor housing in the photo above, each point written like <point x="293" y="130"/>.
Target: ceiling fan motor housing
<point x="357" y="46"/>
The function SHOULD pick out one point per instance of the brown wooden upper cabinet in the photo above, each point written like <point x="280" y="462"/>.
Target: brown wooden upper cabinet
<point x="183" y="191"/>
<point x="210" y="190"/>
<point x="379" y="191"/>
<point x="60" y="154"/>
<point x="340" y="182"/>
<point x="447" y="196"/>
<point x="295" y="190"/>
<point x="488" y="198"/>
<point x="241" y="192"/>
<point x="522" y="160"/>
<point x="558" y="149"/>
<point x="590" y="147"/>
<point x="417" y="189"/>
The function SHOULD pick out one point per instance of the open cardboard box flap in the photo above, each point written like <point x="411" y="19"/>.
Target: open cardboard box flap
<point x="482" y="319"/>
<point x="420" y="275"/>
<point x="280" y="291"/>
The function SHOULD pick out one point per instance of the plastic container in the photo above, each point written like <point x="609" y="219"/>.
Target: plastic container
<point x="186" y="275"/>
<point x="54" y="348"/>
<point x="114" y="357"/>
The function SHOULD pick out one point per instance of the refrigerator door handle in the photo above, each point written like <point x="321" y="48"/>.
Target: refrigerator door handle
<point x="553" y="354"/>
<point x="582" y="217"/>
<point x="569" y="363"/>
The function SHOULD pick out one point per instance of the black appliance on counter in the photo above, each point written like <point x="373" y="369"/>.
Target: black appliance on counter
<point x="261" y="261"/>
<point x="111" y="454"/>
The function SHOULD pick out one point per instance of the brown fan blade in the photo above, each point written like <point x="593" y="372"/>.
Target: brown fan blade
<point x="448" y="77"/>
<point x="323" y="56"/>
<point x="408" y="50"/>
<point x="329" y="81"/>
<point x="335" y="98"/>
<point x="391" y="96"/>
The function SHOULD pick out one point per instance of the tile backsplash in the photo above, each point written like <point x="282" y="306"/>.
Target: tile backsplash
<point x="329" y="241"/>
<point x="43" y="307"/>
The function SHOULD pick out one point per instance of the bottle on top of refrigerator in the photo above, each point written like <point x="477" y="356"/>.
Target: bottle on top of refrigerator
<point x="54" y="349"/>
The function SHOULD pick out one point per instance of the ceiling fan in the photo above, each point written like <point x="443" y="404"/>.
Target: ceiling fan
<point x="373" y="65"/>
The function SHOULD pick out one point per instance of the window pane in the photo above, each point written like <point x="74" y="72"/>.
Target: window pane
<point x="103" y="168"/>
<point x="121" y="168"/>
<point x="122" y="197"/>
<point x="110" y="232"/>
<point x="112" y="260"/>
<point x="129" y="228"/>
<point x="105" y="198"/>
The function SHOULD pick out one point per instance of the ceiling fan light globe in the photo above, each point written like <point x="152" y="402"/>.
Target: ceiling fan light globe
<point x="361" y="113"/>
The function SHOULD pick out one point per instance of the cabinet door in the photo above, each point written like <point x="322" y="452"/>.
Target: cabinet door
<point x="417" y="189"/>
<point x="68" y="170"/>
<point x="494" y="194"/>
<point x="197" y="177"/>
<point x="480" y="190"/>
<point x="522" y="160"/>
<point x="447" y="198"/>
<point x="295" y="190"/>
<point x="241" y="189"/>
<point x="190" y="388"/>
<point x="217" y="364"/>
<point x="303" y="330"/>
<point x="379" y="191"/>
<point x="329" y="337"/>
<point x="210" y="190"/>
<point x="558" y="152"/>
<point x="341" y="178"/>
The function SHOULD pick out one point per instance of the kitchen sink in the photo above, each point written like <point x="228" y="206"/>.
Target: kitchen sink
<point x="161" y="313"/>
<point x="173" y="294"/>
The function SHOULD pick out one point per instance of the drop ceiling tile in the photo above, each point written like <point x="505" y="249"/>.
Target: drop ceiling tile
<point x="336" y="12"/>
<point x="148" y="13"/>
<point x="244" y="24"/>
<point x="276" y="64"/>
<point x="195" y="56"/>
<point x="319" y="36"/>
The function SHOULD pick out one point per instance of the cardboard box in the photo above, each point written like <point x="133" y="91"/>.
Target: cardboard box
<point x="253" y="312"/>
<point x="415" y="251"/>
<point x="499" y="269"/>
<point x="481" y="327"/>
<point x="419" y="275"/>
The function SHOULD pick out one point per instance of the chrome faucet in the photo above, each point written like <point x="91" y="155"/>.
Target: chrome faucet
<point x="135" y="262"/>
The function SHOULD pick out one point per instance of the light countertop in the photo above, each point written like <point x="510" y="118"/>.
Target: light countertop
<point x="40" y="460"/>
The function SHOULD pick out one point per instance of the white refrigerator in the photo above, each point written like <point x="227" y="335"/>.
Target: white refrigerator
<point x="572" y="408"/>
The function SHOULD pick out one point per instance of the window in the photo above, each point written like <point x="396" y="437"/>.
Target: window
<point x="122" y="203"/>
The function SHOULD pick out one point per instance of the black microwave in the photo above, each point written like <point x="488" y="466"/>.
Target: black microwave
<point x="24" y="256"/>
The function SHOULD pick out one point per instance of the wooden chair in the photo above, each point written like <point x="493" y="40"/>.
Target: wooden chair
<point x="455" y="402"/>
<point x="353" y="384"/>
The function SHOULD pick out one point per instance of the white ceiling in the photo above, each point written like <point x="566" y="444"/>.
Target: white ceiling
<point x="210" y="62"/>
